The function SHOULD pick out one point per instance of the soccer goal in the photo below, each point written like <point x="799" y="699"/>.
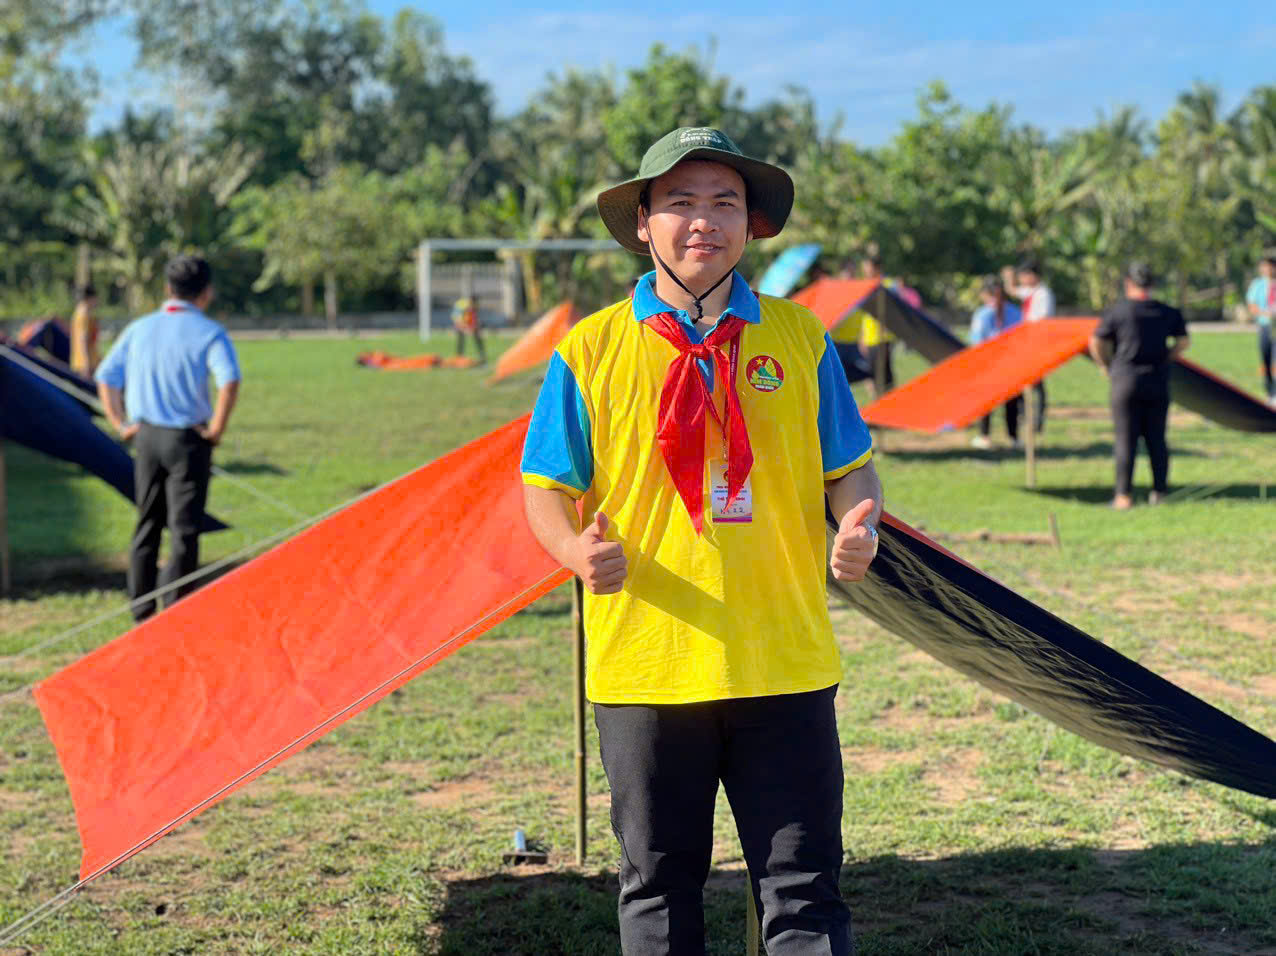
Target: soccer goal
<point x="497" y="282"/>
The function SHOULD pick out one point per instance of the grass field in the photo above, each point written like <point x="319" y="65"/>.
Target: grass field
<point x="971" y="825"/>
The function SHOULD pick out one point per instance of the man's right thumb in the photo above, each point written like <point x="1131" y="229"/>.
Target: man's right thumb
<point x="600" y="525"/>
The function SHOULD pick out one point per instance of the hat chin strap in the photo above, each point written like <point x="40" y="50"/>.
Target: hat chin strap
<point x="698" y="300"/>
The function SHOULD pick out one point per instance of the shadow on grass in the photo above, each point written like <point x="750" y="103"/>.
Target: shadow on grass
<point x="1102" y="494"/>
<point x="251" y="468"/>
<point x="79" y="574"/>
<point x="1195" y="898"/>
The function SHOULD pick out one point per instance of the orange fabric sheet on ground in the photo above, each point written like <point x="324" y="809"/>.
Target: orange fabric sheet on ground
<point x="832" y="300"/>
<point x="537" y="343"/>
<point x="165" y="721"/>
<point x="964" y="388"/>
<point x="412" y="363"/>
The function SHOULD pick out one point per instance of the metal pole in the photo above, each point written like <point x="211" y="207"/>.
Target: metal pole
<point x="753" y="931"/>
<point x="578" y="706"/>
<point x="1030" y="435"/>
<point x="880" y="358"/>
<point x="5" y="581"/>
<point x="423" y="290"/>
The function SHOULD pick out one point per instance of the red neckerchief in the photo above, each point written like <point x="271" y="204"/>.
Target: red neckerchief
<point x="1271" y="294"/>
<point x="684" y="401"/>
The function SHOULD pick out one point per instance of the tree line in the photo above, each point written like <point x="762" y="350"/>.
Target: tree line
<point x="312" y="144"/>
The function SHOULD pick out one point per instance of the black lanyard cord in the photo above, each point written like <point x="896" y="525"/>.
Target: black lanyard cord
<point x="697" y="299"/>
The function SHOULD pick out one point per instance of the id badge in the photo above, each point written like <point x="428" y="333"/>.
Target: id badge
<point x="741" y="510"/>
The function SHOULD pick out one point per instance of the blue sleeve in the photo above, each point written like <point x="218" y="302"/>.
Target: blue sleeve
<point x="1254" y="296"/>
<point x="559" y="448"/>
<point x="222" y="361"/>
<point x="845" y="443"/>
<point x="111" y="369"/>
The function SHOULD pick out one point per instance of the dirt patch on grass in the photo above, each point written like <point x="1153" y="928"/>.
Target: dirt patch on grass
<point x="878" y="761"/>
<point x="1219" y="581"/>
<point x="20" y="665"/>
<point x="455" y="793"/>
<point x="919" y="719"/>
<point x="1140" y="602"/>
<point x="1265" y="685"/>
<point x="1248" y="625"/>
<point x="954" y="779"/>
<point x="1205" y="686"/>
<point x="17" y="799"/>
<point x="1120" y="909"/>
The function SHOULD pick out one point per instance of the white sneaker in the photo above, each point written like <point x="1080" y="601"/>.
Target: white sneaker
<point x="981" y="441"/>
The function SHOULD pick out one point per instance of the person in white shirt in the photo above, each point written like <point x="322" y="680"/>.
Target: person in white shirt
<point x="1025" y="284"/>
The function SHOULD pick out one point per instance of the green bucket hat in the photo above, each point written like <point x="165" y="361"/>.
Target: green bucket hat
<point x="770" y="189"/>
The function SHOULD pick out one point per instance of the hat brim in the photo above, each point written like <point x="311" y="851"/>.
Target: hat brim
<point x="770" y="198"/>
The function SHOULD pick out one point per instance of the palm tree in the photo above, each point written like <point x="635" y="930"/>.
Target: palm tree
<point x="148" y="201"/>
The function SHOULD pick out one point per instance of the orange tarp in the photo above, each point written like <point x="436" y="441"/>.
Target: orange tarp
<point x="192" y="704"/>
<point x="834" y="299"/>
<point x="411" y="363"/>
<point x="964" y="388"/>
<point x="538" y="342"/>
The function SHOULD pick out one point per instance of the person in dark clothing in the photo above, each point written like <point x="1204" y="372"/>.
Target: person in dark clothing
<point x="154" y="387"/>
<point x="1134" y="345"/>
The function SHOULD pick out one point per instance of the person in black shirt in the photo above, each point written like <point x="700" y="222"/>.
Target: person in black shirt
<point x="1134" y="345"/>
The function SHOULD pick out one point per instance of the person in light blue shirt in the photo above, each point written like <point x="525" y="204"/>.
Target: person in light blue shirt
<point x="994" y="316"/>
<point x="1261" y="300"/>
<point x="154" y="387"/>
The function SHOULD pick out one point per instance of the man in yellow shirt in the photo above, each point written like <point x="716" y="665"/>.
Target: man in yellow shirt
<point x="702" y="428"/>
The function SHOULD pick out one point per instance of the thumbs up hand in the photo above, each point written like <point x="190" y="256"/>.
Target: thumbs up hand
<point x="600" y="563"/>
<point x="855" y="543"/>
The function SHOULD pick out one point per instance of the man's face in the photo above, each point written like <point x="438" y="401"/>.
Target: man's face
<point x="697" y="220"/>
<point x="1266" y="269"/>
<point x="989" y="298"/>
<point x="1026" y="277"/>
<point x="869" y="269"/>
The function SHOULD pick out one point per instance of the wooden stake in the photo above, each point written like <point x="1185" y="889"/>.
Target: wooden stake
<point x="1054" y="530"/>
<point x="753" y="930"/>
<point x="1030" y="440"/>
<point x="578" y="707"/>
<point x="5" y="581"/>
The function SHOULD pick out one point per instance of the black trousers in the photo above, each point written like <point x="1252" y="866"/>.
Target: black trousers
<point x="1265" y="353"/>
<point x="1140" y="410"/>
<point x="171" y="474"/>
<point x="478" y="341"/>
<point x="881" y="361"/>
<point x="1013" y="409"/>
<point x="781" y="765"/>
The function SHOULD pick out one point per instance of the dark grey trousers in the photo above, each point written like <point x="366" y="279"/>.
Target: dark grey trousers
<point x="781" y="765"/>
<point x="170" y="474"/>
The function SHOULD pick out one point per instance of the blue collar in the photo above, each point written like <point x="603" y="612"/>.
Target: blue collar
<point x="743" y="302"/>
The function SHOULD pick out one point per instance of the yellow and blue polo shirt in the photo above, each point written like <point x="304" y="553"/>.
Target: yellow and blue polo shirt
<point x="740" y="611"/>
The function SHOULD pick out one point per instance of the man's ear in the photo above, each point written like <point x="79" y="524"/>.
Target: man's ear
<point x="643" y="232"/>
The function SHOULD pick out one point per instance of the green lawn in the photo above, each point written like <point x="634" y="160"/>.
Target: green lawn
<point x="971" y="825"/>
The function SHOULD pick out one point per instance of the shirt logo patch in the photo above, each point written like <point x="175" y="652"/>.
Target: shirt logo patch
<point x="764" y="373"/>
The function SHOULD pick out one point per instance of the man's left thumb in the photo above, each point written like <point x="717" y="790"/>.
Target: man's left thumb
<point x="859" y="514"/>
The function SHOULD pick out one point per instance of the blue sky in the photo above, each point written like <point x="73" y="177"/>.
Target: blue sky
<point x="1056" y="64"/>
